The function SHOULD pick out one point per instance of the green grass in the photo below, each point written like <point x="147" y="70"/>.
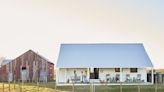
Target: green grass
<point x="50" y="87"/>
<point x="145" y="88"/>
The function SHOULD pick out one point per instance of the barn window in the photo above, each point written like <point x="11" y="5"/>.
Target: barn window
<point x="117" y="69"/>
<point x="23" y="68"/>
<point x="133" y="70"/>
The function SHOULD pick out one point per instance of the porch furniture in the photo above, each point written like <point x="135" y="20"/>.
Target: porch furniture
<point x="113" y="80"/>
<point x="108" y="78"/>
<point x="101" y="81"/>
<point x="117" y="78"/>
<point x="134" y="80"/>
<point x="128" y="79"/>
<point x="75" y="79"/>
<point x="139" y="78"/>
<point x="85" y="79"/>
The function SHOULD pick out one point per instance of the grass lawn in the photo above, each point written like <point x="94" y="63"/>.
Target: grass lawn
<point x="50" y="87"/>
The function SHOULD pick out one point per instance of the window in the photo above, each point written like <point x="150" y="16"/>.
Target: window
<point x="133" y="70"/>
<point x="23" y="68"/>
<point x="117" y="69"/>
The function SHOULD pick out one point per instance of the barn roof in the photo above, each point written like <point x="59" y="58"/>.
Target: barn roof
<point x="103" y="56"/>
<point x="42" y="57"/>
<point x="37" y="55"/>
<point x="5" y="61"/>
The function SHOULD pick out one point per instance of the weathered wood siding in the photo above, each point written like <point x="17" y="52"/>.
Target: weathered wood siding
<point x="30" y="61"/>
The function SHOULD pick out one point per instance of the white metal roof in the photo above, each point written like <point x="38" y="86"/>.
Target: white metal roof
<point x="103" y="56"/>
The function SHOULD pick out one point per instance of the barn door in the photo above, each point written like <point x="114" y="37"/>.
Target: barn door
<point x="24" y="74"/>
<point x="43" y="76"/>
<point x="10" y="77"/>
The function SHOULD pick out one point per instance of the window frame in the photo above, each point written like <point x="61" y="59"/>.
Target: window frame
<point x="117" y="70"/>
<point x="133" y="70"/>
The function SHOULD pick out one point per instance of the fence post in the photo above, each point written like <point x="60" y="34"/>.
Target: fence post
<point x="20" y="86"/>
<point x="94" y="87"/>
<point x="156" y="83"/>
<point x="90" y="87"/>
<point x="138" y="87"/>
<point x="9" y="86"/>
<point x="73" y="87"/>
<point x="120" y="86"/>
<point x="14" y="84"/>
<point x="55" y="87"/>
<point x="3" y="87"/>
<point x="38" y="86"/>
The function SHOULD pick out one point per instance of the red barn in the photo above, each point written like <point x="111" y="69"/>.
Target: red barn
<point x="29" y="66"/>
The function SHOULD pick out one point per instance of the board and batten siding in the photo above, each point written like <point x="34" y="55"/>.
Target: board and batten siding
<point x="29" y="66"/>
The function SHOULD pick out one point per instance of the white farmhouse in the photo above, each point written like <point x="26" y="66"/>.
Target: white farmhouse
<point x="111" y="64"/>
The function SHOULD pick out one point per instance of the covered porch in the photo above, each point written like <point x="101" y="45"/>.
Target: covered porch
<point x="100" y="76"/>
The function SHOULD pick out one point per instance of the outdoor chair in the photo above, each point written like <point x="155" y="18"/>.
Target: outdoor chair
<point x="101" y="81"/>
<point x="128" y="79"/>
<point x="134" y="80"/>
<point x="75" y="79"/>
<point x="139" y="78"/>
<point x="108" y="78"/>
<point x="113" y="80"/>
<point x="117" y="78"/>
<point x="85" y="79"/>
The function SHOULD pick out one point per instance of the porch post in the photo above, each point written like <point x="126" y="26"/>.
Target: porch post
<point x="120" y="74"/>
<point x="88" y="73"/>
<point x="120" y="79"/>
<point x="65" y="75"/>
<point x="57" y="75"/>
<point x="152" y="76"/>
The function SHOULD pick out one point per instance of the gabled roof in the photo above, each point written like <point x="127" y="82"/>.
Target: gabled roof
<point x="103" y="56"/>
<point x="35" y="54"/>
<point x="7" y="61"/>
<point x="41" y="56"/>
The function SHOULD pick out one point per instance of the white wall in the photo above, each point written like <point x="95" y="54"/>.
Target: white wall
<point x="62" y="75"/>
<point x="111" y="71"/>
<point x="141" y="71"/>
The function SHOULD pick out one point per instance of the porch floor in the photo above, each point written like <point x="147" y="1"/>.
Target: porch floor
<point x="85" y="84"/>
